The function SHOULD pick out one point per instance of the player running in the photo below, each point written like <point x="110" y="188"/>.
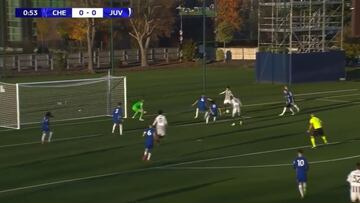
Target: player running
<point x="117" y="118"/>
<point x="213" y="112"/>
<point x="316" y="129"/>
<point x="45" y="126"/>
<point x="289" y="101"/>
<point x="301" y="167"/>
<point x="227" y="100"/>
<point x="160" y="123"/>
<point x="354" y="180"/>
<point x="235" y="103"/>
<point x="149" y="135"/>
<point x="201" y="105"/>
<point x="137" y="107"/>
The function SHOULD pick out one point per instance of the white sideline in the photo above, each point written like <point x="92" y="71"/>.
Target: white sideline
<point x="170" y="167"/>
<point x="257" y="166"/>
<point x="54" y="140"/>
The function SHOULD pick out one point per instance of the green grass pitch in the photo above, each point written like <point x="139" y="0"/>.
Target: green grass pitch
<point x="195" y="162"/>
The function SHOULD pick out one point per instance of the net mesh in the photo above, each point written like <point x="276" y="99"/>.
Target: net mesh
<point x="8" y="106"/>
<point x="70" y="100"/>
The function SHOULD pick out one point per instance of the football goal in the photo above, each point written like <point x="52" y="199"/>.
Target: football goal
<point x="26" y="103"/>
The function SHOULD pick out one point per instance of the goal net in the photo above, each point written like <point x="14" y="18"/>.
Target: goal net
<point x="9" y="105"/>
<point x="67" y="100"/>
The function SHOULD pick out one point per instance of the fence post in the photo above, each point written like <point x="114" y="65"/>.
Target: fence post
<point x="166" y="52"/>
<point x="34" y="59"/>
<point x="17" y="58"/>
<point x="67" y="61"/>
<point x="51" y="61"/>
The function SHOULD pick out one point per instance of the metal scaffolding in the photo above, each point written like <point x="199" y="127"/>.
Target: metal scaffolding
<point x="300" y="26"/>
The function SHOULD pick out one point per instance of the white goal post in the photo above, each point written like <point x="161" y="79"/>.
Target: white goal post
<point x="26" y="103"/>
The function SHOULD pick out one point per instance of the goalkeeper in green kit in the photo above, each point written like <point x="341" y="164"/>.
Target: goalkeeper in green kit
<point x="137" y="107"/>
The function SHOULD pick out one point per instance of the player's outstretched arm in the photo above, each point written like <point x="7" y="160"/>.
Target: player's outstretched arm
<point x="222" y="92"/>
<point x="196" y="101"/>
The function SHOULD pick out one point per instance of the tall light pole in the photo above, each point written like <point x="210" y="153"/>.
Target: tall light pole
<point x="204" y="45"/>
<point x="111" y="42"/>
<point x="181" y="38"/>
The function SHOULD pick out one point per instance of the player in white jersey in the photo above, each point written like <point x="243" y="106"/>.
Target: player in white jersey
<point x="354" y="180"/>
<point x="235" y="103"/>
<point x="160" y="123"/>
<point x="227" y="100"/>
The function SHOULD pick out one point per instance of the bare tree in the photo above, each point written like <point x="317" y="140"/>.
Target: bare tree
<point x="152" y="19"/>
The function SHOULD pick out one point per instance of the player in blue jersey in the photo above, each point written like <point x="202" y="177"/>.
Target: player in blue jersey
<point x="301" y="167"/>
<point x="149" y="135"/>
<point x="289" y="102"/>
<point x="201" y="105"/>
<point x="117" y="116"/>
<point x="213" y="112"/>
<point x="45" y="128"/>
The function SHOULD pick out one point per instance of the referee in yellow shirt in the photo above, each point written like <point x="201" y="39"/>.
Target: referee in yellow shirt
<point x="315" y="130"/>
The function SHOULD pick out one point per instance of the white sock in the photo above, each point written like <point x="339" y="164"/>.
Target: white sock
<point x="43" y="137"/>
<point x="113" y="129"/>
<point x="304" y="188"/>
<point x="301" y="190"/>
<point x="50" y="136"/>
<point x="297" y="108"/>
<point x="214" y="119"/>
<point x="120" y="129"/>
<point x="148" y="157"/>
<point x="292" y="111"/>
<point x="196" y="113"/>
<point x="284" y="110"/>
<point x="145" y="152"/>
<point x="207" y="119"/>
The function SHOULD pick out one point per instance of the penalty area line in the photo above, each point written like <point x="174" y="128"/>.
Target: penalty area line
<point x="257" y="166"/>
<point x="243" y="155"/>
<point x="55" y="140"/>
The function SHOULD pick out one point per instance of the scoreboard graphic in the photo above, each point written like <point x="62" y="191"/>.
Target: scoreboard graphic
<point x="73" y="12"/>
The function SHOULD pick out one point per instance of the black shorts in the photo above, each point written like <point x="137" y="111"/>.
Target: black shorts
<point x="289" y="105"/>
<point x="318" y="132"/>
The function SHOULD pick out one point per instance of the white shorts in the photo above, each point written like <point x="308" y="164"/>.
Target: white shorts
<point x="160" y="130"/>
<point x="227" y="101"/>
<point x="354" y="193"/>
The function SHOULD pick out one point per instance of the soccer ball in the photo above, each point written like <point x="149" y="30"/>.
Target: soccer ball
<point x="79" y="110"/>
<point x="227" y="111"/>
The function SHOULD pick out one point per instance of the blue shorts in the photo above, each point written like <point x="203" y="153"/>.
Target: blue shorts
<point x="149" y="146"/>
<point x="301" y="178"/>
<point x="45" y="130"/>
<point x="202" y="108"/>
<point x="117" y="121"/>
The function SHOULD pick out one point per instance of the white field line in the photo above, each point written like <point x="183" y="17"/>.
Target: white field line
<point x="62" y="124"/>
<point x="54" y="140"/>
<point x="258" y="166"/>
<point x="75" y="180"/>
<point x="346" y="95"/>
<point x="326" y="92"/>
<point x="171" y="166"/>
<point x="333" y="100"/>
<point x="242" y="155"/>
<point x="268" y="103"/>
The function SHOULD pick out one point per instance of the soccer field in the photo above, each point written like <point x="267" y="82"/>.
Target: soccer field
<point x="195" y="162"/>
